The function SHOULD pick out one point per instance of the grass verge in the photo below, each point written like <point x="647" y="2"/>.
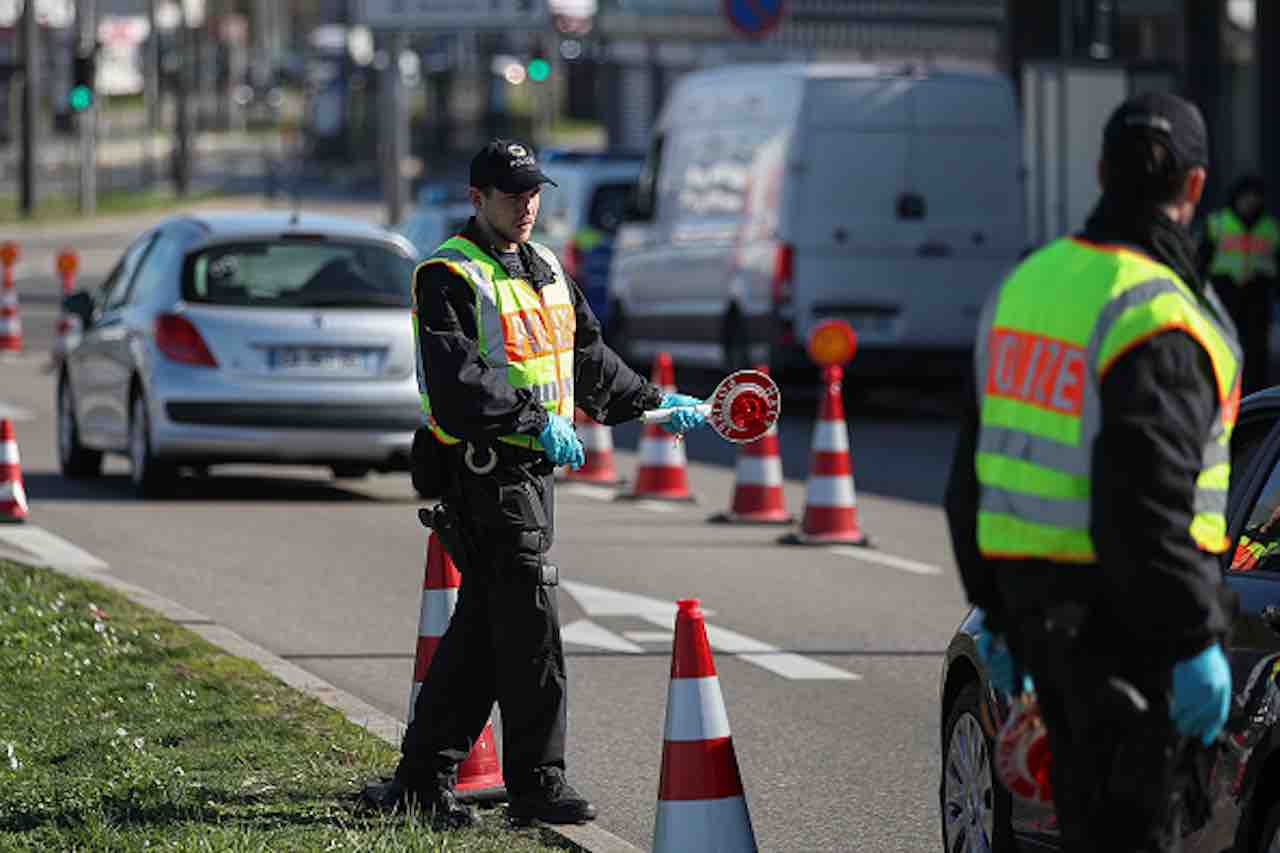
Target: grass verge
<point x="121" y="731"/>
<point x="61" y="207"/>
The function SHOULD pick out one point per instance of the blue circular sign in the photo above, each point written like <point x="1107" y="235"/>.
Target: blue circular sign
<point x="754" y="18"/>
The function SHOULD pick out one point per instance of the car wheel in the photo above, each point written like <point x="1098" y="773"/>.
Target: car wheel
<point x="736" y="341"/>
<point x="74" y="459"/>
<point x="151" y="477"/>
<point x="975" y="807"/>
<point x="348" y="471"/>
<point x="1270" y="840"/>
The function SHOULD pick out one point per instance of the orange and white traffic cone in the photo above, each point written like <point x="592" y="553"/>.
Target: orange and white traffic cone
<point x="70" y="328"/>
<point x="831" y="502"/>
<point x="597" y="445"/>
<point x="757" y="482"/>
<point x="662" y="474"/>
<point x="701" y="803"/>
<point x="13" y="498"/>
<point x="10" y="316"/>
<point x="480" y="775"/>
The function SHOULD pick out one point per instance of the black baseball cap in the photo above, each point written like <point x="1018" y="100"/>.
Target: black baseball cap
<point x="1174" y="121"/>
<point x="508" y="165"/>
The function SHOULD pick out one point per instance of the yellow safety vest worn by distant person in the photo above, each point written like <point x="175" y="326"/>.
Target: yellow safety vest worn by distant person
<point x="1240" y="253"/>
<point x="527" y="332"/>
<point x="1045" y="344"/>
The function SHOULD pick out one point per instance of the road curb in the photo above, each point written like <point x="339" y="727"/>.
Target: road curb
<point x="587" y="838"/>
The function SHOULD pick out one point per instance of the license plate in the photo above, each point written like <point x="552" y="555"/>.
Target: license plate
<point x="327" y="359"/>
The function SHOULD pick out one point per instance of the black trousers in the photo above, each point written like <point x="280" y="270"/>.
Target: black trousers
<point x="503" y="643"/>
<point x="1116" y="779"/>
<point x="1250" y="310"/>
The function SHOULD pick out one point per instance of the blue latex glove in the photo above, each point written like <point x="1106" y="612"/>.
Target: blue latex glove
<point x="560" y="442"/>
<point x="1201" y="694"/>
<point x="685" y="417"/>
<point x="999" y="662"/>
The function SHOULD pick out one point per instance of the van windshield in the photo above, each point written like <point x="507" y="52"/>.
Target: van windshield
<point x="292" y="273"/>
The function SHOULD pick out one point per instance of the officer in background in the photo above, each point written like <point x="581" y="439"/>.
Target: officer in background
<point x="507" y="347"/>
<point x="1238" y="253"/>
<point x="1087" y="496"/>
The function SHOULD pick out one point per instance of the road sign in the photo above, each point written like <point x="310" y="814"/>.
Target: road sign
<point x="454" y="15"/>
<point x="754" y="18"/>
<point x="832" y="342"/>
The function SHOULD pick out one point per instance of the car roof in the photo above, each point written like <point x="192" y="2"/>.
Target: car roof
<point x="841" y="70"/>
<point x="231" y="224"/>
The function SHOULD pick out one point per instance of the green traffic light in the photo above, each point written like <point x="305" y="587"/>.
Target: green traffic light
<point x="80" y="98"/>
<point x="539" y="70"/>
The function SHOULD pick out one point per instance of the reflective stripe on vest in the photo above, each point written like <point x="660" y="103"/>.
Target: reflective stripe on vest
<point x="526" y="332"/>
<point x="1240" y="253"/>
<point x="1047" y="338"/>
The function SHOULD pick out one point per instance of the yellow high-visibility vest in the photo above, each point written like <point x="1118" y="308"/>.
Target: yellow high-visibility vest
<point x="1240" y="253"/>
<point x="1046" y="341"/>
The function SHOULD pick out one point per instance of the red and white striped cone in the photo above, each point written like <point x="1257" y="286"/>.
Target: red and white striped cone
<point x="831" y="502"/>
<point x="597" y="445"/>
<point x="757" y="482"/>
<point x="480" y="775"/>
<point x="13" y="498"/>
<point x="10" y="316"/>
<point x="701" y="803"/>
<point x="663" y="470"/>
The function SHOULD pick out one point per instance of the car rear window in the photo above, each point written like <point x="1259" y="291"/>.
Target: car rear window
<point x="609" y="206"/>
<point x="299" y="273"/>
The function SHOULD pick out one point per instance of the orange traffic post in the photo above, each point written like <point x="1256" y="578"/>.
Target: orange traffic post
<point x="10" y="321"/>
<point x="68" y="263"/>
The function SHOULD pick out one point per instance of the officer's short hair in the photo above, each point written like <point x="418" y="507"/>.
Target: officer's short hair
<point x="1142" y="169"/>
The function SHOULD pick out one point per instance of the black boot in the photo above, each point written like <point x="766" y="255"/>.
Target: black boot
<point x="439" y="804"/>
<point x="551" y="800"/>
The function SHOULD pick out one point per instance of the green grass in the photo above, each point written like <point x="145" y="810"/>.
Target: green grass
<point x="121" y="731"/>
<point x="60" y="207"/>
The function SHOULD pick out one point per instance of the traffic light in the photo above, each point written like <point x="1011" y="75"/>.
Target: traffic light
<point x="84" y="67"/>
<point x="539" y="68"/>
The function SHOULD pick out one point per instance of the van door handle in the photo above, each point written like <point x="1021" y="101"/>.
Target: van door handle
<point x="933" y="250"/>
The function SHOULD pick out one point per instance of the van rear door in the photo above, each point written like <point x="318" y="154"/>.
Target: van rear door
<point x="965" y="163"/>
<point x="849" y="245"/>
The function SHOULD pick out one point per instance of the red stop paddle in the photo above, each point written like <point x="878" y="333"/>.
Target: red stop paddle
<point x="744" y="406"/>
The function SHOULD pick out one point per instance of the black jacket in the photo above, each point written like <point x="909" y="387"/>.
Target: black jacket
<point x="475" y="402"/>
<point x="1154" y="592"/>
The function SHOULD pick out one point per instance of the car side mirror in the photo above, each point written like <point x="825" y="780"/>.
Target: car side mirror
<point x="80" y="304"/>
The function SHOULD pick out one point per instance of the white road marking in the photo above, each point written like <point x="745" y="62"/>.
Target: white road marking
<point x="41" y="548"/>
<point x="648" y="636"/>
<point x="595" y="493"/>
<point x="586" y="633"/>
<point x="884" y="559"/>
<point x="599" y="601"/>
<point x="15" y="413"/>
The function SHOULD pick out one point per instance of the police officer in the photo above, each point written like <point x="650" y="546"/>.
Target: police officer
<point x="507" y="347"/>
<point x="1087" y="496"/>
<point x="1238" y="253"/>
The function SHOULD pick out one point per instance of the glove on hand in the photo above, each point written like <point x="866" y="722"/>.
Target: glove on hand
<point x="999" y="662"/>
<point x="1201" y="694"/>
<point x="685" y="417"/>
<point x="560" y="443"/>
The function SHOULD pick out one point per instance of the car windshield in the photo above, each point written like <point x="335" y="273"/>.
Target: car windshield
<point x="299" y="273"/>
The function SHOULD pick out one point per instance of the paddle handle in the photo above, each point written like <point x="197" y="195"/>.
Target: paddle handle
<point x="661" y="416"/>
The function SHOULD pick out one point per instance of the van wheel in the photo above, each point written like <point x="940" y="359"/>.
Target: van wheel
<point x="617" y="335"/>
<point x="736" y="341"/>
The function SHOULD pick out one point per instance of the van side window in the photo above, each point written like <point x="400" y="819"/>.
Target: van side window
<point x="645" y="201"/>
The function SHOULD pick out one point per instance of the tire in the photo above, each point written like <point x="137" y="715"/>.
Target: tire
<point x="349" y="471"/>
<point x="151" y="477"/>
<point x="736" y="341"/>
<point x="975" y="807"/>
<point x="76" y="461"/>
<point x="1269" y="841"/>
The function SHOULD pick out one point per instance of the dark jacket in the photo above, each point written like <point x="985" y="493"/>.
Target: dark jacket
<point x="1154" y="592"/>
<point x="474" y="401"/>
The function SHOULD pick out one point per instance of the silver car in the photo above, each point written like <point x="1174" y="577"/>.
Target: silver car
<point x="254" y="337"/>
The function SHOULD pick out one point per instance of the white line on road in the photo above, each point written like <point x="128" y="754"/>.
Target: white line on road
<point x="595" y="493"/>
<point x="583" y="632"/>
<point x="786" y="664"/>
<point x="867" y="555"/>
<point x="648" y="636"/>
<point x="41" y="548"/>
<point x="15" y="413"/>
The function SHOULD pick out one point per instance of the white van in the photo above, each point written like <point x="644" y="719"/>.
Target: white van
<point x="777" y="196"/>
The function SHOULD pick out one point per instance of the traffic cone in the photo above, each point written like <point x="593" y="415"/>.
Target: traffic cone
<point x="701" y="803"/>
<point x="10" y="319"/>
<point x="831" y="503"/>
<point x="757" y="482"/>
<point x="13" y="498"/>
<point x="480" y="775"/>
<point x="597" y="444"/>
<point x="662" y="473"/>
